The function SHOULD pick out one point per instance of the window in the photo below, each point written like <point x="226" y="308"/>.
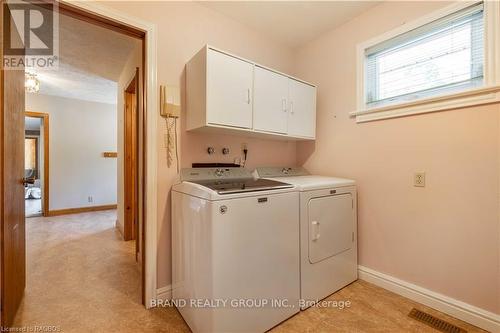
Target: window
<point x="444" y="60"/>
<point x="443" y="56"/>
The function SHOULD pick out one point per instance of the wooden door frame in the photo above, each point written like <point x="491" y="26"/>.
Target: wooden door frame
<point x="44" y="117"/>
<point x="131" y="184"/>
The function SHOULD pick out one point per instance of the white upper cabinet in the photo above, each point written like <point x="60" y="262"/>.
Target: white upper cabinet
<point x="302" y="109"/>
<point x="270" y="101"/>
<point x="228" y="94"/>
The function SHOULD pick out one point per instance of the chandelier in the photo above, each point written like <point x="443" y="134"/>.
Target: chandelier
<point x="31" y="82"/>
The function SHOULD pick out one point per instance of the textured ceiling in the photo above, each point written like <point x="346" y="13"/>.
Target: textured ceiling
<point x="91" y="59"/>
<point x="93" y="49"/>
<point x="291" y="22"/>
<point x="72" y="82"/>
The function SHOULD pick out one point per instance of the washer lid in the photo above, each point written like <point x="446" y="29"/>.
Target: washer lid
<point x="307" y="183"/>
<point x="243" y="185"/>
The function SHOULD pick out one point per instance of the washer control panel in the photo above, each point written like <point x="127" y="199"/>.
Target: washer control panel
<point x="199" y="174"/>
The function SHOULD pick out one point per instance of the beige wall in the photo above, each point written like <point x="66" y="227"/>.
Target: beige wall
<point x="79" y="132"/>
<point x="183" y="29"/>
<point x="444" y="237"/>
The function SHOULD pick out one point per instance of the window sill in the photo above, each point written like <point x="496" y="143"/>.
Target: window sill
<point x="473" y="97"/>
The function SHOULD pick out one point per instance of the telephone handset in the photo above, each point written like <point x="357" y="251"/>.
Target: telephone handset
<point x="170" y="105"/>
<point x="170" y="109"/>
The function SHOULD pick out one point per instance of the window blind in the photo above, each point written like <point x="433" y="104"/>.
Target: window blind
<point x="446" y="55"/>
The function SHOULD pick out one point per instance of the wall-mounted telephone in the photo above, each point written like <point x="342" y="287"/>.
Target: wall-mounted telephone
<point x="170" y="101"/>
<point x="170" y="109"/>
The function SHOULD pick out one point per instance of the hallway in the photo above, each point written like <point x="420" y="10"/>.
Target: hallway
<point x="81" y="277"/>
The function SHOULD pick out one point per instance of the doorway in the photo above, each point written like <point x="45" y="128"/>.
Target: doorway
<point x="12" y="222"/>
<point x="36" y="164"/>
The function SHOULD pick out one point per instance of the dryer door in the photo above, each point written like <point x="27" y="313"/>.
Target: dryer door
<point x="330" y="226"/>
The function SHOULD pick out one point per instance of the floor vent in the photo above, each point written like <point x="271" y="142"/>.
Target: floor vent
<point x="434" y="322"/>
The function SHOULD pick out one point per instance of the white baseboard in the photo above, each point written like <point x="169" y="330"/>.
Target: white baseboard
<point x="164" y="293"/>
<point x="463" y="311"/>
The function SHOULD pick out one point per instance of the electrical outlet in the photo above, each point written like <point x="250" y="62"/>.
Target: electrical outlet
<point x="419" y="179"/>
<point x="90" y="199"/>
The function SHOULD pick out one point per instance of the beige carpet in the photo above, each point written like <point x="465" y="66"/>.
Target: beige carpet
<point x="81" y="277"/>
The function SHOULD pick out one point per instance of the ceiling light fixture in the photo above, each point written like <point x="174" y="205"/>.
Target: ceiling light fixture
<point x="31" y="83"/>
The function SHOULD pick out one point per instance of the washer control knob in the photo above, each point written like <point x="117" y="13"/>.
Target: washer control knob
<point x="210" y="150"/>
<point x="219" y="172"/>
<point x="286" y="171"/>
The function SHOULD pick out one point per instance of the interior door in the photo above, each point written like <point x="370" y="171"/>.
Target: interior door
<point x="331" y="226"/>
<point x="130" y="228"/>
<point x="270" y="101"/>
<point x="229" y="90"/>
<point x="13" y="261"/>
<point x="302" y="115"/>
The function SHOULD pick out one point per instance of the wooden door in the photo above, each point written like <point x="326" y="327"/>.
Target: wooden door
<point x="302" y="114"/>
<point x="229" y="90"/>
<point x="270" y="101"/>
<point x="131" y="157"/>
<point x="13" y="246"/>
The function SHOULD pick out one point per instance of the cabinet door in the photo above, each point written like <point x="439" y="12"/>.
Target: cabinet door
<point x="302" y="115"/>
<point x="229" y="90"/>
<point x="270" y="101"/>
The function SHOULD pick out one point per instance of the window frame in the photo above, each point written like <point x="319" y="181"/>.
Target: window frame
<point x="489" y="92"/>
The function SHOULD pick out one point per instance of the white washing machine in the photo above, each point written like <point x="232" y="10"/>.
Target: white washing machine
<point x="328" y="231"/>
<point x="235" y="250"/>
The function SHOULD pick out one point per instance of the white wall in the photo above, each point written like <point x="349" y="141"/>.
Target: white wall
<point x="79" y="132"/>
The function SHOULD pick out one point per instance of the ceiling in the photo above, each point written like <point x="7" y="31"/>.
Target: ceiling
<point x="92" y="48"/>
<point x="73" y="82"/>
<point x="292" y="22"/>
<point x="91" y="59"/>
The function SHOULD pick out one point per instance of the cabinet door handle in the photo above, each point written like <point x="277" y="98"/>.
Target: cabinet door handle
<point x="291" y="108"/>
<point x="248" y="96"/>
<point x="283" y="104"/>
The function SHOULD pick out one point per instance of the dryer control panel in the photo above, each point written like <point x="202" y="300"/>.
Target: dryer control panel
<point x="269" y="172"/>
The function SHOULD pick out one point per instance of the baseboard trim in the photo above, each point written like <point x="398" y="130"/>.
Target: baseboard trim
<point x="78" y="210"/>
<point x="164" y="293"/>
<point x="458" y="309"/>
<point x="119" y="228"/>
